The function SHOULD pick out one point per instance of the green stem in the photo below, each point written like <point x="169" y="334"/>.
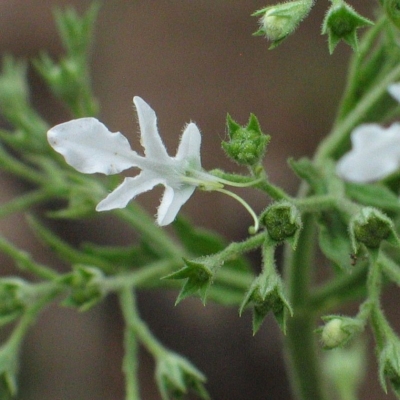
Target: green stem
<point x="130" y="361"/>
<point x="141" y="277"/>
<point x="23" y="202"/>
<point x="303" y="366"/>
<point x="137" y="326"/>
<point x="31" y="315"/>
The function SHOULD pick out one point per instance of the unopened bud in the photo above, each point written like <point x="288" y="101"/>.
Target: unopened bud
<point x="282" y="220"/>
<point x="280" y="20"/>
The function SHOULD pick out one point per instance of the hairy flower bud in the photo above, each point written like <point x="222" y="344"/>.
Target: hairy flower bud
<point x="282" y="220"/>
<point x="248" y="143"/>
<point x="370" y="226"/>
<point x="338" y="330"/>
<point x="280" y="20"/>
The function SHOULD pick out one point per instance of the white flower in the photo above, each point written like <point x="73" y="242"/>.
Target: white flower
<point x="375" y="151"/>
<point x="88" y="146"/>
<point x="394" y="90"/>
<point x="375" y="154"/>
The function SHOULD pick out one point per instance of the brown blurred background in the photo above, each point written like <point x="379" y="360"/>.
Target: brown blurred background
<point x="190" y="60"/>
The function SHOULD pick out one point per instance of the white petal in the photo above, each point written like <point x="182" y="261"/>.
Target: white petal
<point x="129" y="188"/>
<point x="358" y="167"/>
<point x="90" y="147"/>
<point x="150" y="138"/>
<point x="172" y="202"/>
<point x="394" y="90"/>
<point x="375" y="154"/>
<point x="367" y="135"/>
<point x="189" y="147"/>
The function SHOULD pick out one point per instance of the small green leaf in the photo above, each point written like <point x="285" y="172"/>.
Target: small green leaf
<point x="334" y="240"/>
<point x="305" y="169"/>
<point x="374" y="195"/>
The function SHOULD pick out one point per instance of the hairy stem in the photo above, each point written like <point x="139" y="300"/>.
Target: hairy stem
<point x="303" y="368"/>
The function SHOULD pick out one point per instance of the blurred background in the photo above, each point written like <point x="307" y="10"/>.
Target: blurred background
<point x="191" y="61"/>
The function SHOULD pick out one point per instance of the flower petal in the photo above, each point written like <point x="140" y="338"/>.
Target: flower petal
<point x="394" y="90"/>
<point x="129" y="188"/>
<point x="88" y="146"/>
<point x="375" y="154"/>
<point x="367" y="135"/>
<point x="189" y="146"/>
<point x="171" y="203"/>
<point x="150" y="138"/>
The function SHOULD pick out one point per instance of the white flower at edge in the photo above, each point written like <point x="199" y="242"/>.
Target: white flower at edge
<point x="375" y="151"/>
<point x="89" y="147"/>
<point x="375" y="154"/>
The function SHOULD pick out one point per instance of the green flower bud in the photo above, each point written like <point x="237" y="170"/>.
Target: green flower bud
<point x="86" y="290"/>
<point x="338" y="331"/>
<point x="392" y="9"/>
<point x="341" y="23"/>
<point x="370" y="226"/>
<point x="247" y="144"/>
<point x="279" y="21"/>
<point x="176" y="376"/>
<point x="282" y="221"/>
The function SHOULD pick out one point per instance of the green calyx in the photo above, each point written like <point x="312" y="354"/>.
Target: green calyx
<point x="389" y="365"/>
<point x="279" y="21"/>
<point x="248" y="143"/>
<point x="266" y="294"/>
<point x="370" y="226"/>
<point x="341" y="23"/>
<point x="282" y="221"/>
<point x="86" y="290"/>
